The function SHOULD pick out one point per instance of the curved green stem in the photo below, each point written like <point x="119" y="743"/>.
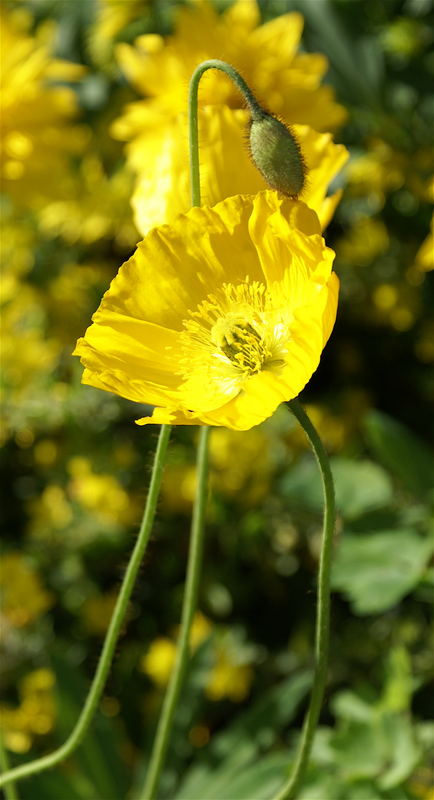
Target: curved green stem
<point x="98" y="683"/>
<point x="255" y="110"/>
<point x="171" y="698"/>
<point x="290" y="789"/>
<point x="10" y="789"/>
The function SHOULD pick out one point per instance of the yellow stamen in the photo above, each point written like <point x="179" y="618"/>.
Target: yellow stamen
<point x="233" y="335"/>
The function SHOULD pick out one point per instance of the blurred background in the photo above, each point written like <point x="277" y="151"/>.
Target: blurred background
<point x="75" y="467"/>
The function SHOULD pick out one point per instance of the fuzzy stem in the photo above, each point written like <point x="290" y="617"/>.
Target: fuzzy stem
<point x="171" y="698"/>
<point x="255" y="110"/>
<point x="11" y="792"/>
<point x="290" y="789"/>
<point x="165" y="722"/>
<point x="112" y="635"/>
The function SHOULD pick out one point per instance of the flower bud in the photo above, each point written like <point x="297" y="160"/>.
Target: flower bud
<point x="276" y="153"/>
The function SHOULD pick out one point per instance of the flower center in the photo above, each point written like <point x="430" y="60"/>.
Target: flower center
<point x="231" y="336"/>
<point x="241" y="341"/>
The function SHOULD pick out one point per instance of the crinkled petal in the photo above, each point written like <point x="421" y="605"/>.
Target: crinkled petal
<point x="248" y="261"/>
<point x="130" y="357"/>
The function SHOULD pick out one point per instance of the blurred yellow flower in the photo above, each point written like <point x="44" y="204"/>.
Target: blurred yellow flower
<point x="383" y="169"/>
<point x="179" y="487"/>
<point x="245" y="478"/>
<point x="112" y="16"/>
<point x="92" y="205"/>
<point x="28" y="355"/>
<point x="51" y="510"/>
<point x="365" y="240"/>
<point x="97" y="611"/>
<point x="23" y="598"/>
<point x="425" y="255"/>
<point x="424" y="346"/>
<point x="45" y="453"/>
<point x="218" y="318"/>
<point x="378" y="171"/>
<point x="69" y="297"/>
<point x="396" y="304"/>
<point x="18" y="241"/>
<point x="230" y="676"/>
<point x="101" y="494"/>
<point x="162" y="189"/>
<point x="284" y="81"/>
<point x="158" y="661"/>
<point x="34" y="716"/>
<point x="37" y="133"/>
<point x="96" y="503"/>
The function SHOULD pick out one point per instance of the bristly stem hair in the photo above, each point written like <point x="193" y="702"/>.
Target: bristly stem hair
<point x="112" y="635"/>
<point x="322" y="634"/>
<point x="194" y="564"/>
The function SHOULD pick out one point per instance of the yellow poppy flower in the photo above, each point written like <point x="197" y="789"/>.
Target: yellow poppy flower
<point x="160" y="161"/>
<point x="111" y="18"/>
<point x="36" y="130"/>
<point x="219" y="317"/>
<point x="284" y="82"/>
<point x="425" y="255"/>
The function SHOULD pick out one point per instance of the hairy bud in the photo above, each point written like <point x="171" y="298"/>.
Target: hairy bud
<point x="276" y="153"/>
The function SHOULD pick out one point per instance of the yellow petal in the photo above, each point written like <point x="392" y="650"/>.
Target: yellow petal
<point x="219" y="317"/>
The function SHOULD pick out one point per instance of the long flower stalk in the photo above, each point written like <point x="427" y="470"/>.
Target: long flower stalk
<point x="194" y="563"/>
<point x="11" y="792"/>
<point x="290" y="789"/>
<point x="112" y="635"/>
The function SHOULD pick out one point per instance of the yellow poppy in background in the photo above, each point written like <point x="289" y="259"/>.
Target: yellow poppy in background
<point x="37" y="129"/>
<point x="163" y="188"/>
<point x="285" y="82"/>
<point x="219" y="317"/>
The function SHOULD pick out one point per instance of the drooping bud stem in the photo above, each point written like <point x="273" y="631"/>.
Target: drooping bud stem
<point x="274" y="148"/>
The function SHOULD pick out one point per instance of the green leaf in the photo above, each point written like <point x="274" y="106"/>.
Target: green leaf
<point x="350" y="706"/>
<point x="375" y="571"/>
<point x="401" y="451"/>
<point x="404" y="751"/>
<point x="237" y="746"/>
<point x="361" y="486"/>
<point x="361" y="750"/>
<point x="261" y="780"/>
<point x="279" y="704"/>
<point x="320" y="785"/>
<point x="399" y="685"/>
<point x="97" y="757"/>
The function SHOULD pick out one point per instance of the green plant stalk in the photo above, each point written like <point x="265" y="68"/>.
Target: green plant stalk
<point x="255" y="110"/>
<point x="165" y="723"/>
<point x="194" y="563"/>
<point x="11" y="792"/>
<point x="322" y="634"/>
<point x="112" y="635"/>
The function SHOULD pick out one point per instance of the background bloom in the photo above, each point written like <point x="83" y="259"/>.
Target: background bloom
<point x="219" y="317"/>
<point x="160" y="161"/>
<point x="58" y="262"/>
<point x="285" y="82"/>
<point x="36" y="115"/>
